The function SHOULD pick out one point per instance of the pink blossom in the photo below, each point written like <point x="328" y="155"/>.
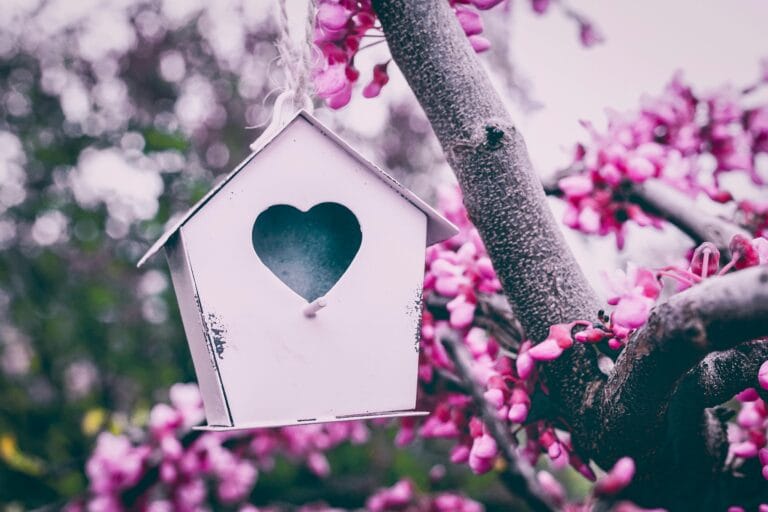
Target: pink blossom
<point x="633" y="293"/>
<point x="459" y="454"/>
<point x="578" y="185"/>
<point x="551" y="486"/>
<point x="340" y="98"/>
<point x="589" y="220"/>
<point x="589" y="35"/>
<point x="115" y="464"/>
<point x="743" y="252"/>
<point x="540" y="6"/>
<point x="236" y="482"/>
<point x="547" y="350"/>
<point x="485" y="4"/>
<point x="318" y="464"/>
<point x="163" y="420"/>
<point x="332" y="16"/>
<point x="617" y="478"/>
<point x="518" y="412"/>
<point x="470" y="21"/>
<point x="380" y="79"/>
<point x="705" y="260"/>
<point x="462" y="312"/>
<point x="331" y="81"/>
<point x="762" y="375"/>
<point x="524" y="362"/>
<point x="632" y="311"/>
<point x="479" y="43"/>
<point x="744" y="449"/>
<point x="495" y="397"/>
<point x="639" y="169"/>
<point x="394" y="497"/>
<point x="188" y="402"/>
<point x="482" y="454"/>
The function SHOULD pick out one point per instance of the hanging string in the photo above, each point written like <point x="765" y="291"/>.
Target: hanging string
<point x="296" y="61"/>
<point x="296" y="58"/>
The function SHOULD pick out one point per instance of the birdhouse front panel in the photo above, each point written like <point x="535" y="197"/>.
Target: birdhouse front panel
<point x="306" y="221"/>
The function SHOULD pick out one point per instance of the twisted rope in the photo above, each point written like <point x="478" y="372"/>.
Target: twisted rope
<point x="296" y="58"/>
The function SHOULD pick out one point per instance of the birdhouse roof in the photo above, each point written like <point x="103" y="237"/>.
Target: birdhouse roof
<point x="438" y="228"/>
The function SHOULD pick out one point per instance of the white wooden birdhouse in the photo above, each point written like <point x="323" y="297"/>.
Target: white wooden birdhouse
<point x="299" y="281"/>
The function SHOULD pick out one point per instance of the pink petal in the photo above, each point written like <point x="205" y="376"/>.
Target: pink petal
<point x="517" y="413"/>
<point x="479" y="43"/>
<point x="579" y="185"/>
<point x="632" y="311"/>
<point x="547" y="350"/>
<point x="470" y="21"/>
<point x="486" y="4"/>
<point x="745" y="449"/>
<point x="330" y="81"/>
<point x="332" y="16"/>
<point x="495" y="397"/>
<point x="640" y="169"/>
<point x="462" y="315"/>
<point x="589" y="220"/>
<point x="341" y="98"/>
<point x="484" y="447"/>
<point x="524" y="365"/>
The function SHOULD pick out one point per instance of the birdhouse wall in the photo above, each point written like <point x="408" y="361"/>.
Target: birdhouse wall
<point x="359" y="355"/>
<point x="203" y="355"/>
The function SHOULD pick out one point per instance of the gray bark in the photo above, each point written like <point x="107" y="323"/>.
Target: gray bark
<point x="716" y="315"/>
<point x="628" y="415"/>
<point x="502" y="193"/>
<point x="681" y="211"/>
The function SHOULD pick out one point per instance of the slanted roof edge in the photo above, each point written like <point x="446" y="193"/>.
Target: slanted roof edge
<point x="438" y="228"/>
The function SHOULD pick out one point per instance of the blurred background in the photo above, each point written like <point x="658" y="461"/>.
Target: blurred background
<point x="117" y="115"/>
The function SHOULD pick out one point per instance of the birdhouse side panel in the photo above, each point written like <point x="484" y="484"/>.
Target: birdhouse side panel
<point x="209" y="381"/>
<point x="359" y="354"/>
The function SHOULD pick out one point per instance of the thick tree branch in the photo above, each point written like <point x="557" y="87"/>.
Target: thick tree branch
<point x="716" y="315"/>
<point x="518" y="475"/>
<point x="720" y="375"/>
<point x="502" y="193"/>
<point x="506" y="202"/>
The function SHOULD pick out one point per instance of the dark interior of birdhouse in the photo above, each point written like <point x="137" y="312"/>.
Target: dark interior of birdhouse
<point x="308" y="251"/>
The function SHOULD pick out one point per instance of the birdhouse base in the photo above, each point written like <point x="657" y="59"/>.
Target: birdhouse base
<point x="310" y="421"/>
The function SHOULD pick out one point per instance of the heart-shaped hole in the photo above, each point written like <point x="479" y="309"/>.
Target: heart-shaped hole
<point x="308" y="251"/>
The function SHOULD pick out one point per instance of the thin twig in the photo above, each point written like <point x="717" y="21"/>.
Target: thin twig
<point x="518" y="476"/>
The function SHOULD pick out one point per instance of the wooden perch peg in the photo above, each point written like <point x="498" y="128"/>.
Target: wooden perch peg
<point x="313" y="307"/>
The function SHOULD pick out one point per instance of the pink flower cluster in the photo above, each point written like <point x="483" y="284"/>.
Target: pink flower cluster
<point x="458" y="274"/>
<point x="403" y="496"/>
<point x="747" y="436"/>
<point x="634" y="293"/>
<point x="754" y="216"/>
<point x="116" y="465"/>
<point x="197" y="469"/>
<point x="343" y="26"/>
<point x="670" y="139"/>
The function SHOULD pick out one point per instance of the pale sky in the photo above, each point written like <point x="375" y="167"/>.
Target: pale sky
<point x="712" y="41"/>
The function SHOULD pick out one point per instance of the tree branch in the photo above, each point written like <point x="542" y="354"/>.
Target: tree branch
<point x="721" y="375"/>
<point x="502" y="193"/>
<point x="716" y="315"/>
<point x="518" y="476"/>
<point x="679" y="209"/>
<point x="506" y="202"/>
